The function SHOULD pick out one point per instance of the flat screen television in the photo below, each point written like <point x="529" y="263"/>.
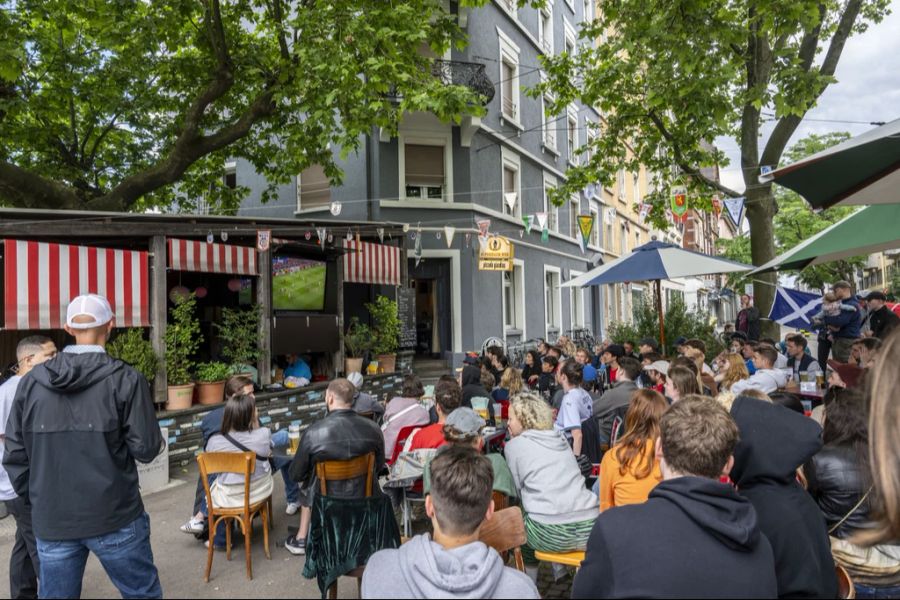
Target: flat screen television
<point x="298" y="284"/>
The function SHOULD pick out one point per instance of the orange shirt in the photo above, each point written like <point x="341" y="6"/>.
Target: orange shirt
<point x="619" y="490"/>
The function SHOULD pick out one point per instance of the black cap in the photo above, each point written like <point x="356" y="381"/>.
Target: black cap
<point x="877" y="296"/>
<point x="649" y="342"/>
<point x="739" y="335"/>
<point x="680" y="340"/>
<point x="617" y="350"/>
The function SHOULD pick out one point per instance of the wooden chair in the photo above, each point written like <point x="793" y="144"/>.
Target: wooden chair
<point x="505" y="532"/>
<point x="846" y="588"/>
<point x="571" y="559"/>
<point x="342" y="470"/>
<point x="244" y="463"/>
<point x="501" y="501"/>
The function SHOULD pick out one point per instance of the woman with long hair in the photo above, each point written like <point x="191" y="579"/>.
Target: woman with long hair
<point x="531" y="371"/>
<point x="629" y="470"/>
<point x="732" y="369"/>
<point x="681" y="382"/>
<point x="510" y="384"/>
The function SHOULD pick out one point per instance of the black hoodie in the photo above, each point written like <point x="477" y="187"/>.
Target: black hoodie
<point x="472" y="388"/>
<point x="774" y="442"/>
<point x="693" y="538"/>
<point x="78" y="423"/>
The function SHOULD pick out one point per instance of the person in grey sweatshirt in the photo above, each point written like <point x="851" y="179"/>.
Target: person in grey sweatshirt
<point x="559" y="510"/>
<point x="452" y="564"/>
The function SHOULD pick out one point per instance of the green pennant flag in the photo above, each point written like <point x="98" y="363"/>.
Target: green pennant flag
<point x="528" y="220"/>
<point x="545" y="235"/>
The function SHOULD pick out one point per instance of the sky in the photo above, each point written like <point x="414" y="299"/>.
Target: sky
<point x="867" y="89"/>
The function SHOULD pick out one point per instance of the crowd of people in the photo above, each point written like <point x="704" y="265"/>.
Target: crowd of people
<point x="698" y="476"/>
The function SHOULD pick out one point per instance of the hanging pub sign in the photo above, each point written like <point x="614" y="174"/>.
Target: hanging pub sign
<point x="497" y="255"/>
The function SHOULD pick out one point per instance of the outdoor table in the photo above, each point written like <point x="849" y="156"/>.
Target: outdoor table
<point x="494" y="437"/>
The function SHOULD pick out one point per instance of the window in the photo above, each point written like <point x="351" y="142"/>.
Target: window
<point x="608" y="220"/>
<point x="514" y="298"/>
<point x="636" y="182"/>
<point x="548" y="125"/>
<point x="620" y="184"/>
<point x="591" y="137"/>
<point x="511" y="6"/>
<point x="552" y="307"/>
<point x="623" y="240"/>
<point x="588" y="10"/>
<point x="611" y="307"/>
<point x="229" y="178"/>
<point x="313" y="188"/>
<point x="595" y="232"/>
<point x="424" y="171"/>
<point x="551" y="209"/>
<point x="572" y="137"/>
<point x="509" y="78"/>
<point x="574" y="209"/>
<point x="511" y="182"/>
<point x="571" y="38"/>
<point x="624" y="315"/>
<point x="545" y="29"/>
<point x="576" y="304"/>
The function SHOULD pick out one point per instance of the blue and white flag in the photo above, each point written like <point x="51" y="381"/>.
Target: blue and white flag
<point x="793" y="308"/>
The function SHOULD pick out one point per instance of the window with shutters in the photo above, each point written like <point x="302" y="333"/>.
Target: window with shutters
<point x="313" y="188"/>
<point x="425" y="177"/>
<point x="595" y="232"/>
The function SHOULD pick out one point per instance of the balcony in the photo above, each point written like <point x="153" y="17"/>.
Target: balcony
<point x="471" y="75"/>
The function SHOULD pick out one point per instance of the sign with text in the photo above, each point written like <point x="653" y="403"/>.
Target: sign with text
<point x="497" y="255"/>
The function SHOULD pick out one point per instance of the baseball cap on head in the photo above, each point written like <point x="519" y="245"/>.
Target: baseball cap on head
<point x="356" y="379"/>
<point x="94" y="310"/>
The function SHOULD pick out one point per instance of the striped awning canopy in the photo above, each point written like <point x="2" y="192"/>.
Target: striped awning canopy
<point x="40" y="279"/>
<point x="366" y="262"/>
<point x="203" y="257"/>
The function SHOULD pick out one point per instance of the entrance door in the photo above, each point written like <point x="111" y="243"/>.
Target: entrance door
<point x="431" y="280"/>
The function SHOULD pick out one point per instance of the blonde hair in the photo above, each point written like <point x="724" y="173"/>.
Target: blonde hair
<point x="532" y="411"/>
<point x="736" y="371"/>
<point x="726" y="399"/>
<point x="758" y="394"/>
<point x="512" y="381"/>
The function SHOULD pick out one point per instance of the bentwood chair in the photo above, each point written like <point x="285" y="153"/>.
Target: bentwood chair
<point x="505" y="532"/>
<point x="212" y="463"/>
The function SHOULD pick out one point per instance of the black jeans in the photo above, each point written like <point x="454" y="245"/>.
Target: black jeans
<point x="23" y="562"/>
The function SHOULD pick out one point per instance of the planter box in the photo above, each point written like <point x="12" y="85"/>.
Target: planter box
<point x="154" y="476"/>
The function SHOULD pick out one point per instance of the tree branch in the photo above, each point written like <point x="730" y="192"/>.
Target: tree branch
<point x="278" y="16"/>
<point x="41" y="192"/>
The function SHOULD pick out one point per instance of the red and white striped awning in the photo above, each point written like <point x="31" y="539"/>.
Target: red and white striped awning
<point x="203" y="257"/>
<point x="40" y="279"/>
<point x="366" y="262"/>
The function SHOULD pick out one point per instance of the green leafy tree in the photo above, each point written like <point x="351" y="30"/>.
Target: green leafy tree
<point x="679" y="321"/>
<point x="239" y="334"/>
<point x="108" y="104"/>
<point x="183" y="339"/>
<point x="132" y="347"/>
<point x="671" y="76"/>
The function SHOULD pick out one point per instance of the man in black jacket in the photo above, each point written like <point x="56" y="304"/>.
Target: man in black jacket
<point x="343" y="434"/>
<point x="694" y="537"/>
<point x="882" y="320"/>
<point x="78" y="424"/>
<point x="775" y="441"/>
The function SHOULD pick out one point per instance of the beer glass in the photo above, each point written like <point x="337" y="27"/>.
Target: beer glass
<point x="294" y="438"/>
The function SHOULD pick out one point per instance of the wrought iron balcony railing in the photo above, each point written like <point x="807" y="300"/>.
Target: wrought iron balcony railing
<point x="471" y="75"/>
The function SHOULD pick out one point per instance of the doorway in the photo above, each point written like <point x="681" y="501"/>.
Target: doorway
<point x="431" y="280"/>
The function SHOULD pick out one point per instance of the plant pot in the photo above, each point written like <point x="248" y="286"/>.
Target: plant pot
<point x="211" y="392"/>
<point x="352" y="365"/>
<point x="180" y="397"/>
<point x="387" y="362"/>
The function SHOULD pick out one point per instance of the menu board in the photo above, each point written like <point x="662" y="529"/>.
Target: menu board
<point x="406" y="311"/>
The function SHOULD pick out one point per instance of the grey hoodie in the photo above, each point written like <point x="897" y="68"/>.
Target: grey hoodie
<point x="421" y="568"/>
<point x="548" y="478"/>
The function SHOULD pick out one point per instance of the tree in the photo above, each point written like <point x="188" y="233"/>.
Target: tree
<point x="670" y="77"/>
<point x="796" y="222"/>
<point x="116" y="105"/>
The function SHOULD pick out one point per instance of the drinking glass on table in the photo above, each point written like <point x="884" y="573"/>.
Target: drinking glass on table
<point x="294" y="438"/>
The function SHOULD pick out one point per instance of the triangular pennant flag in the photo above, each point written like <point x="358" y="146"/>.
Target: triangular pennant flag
<point x="417" y="252"/>
<point x="545" y="235"/>
<point x="483" y="226"/>
<point x="320" y="231"/>
<point x="449" y="232"/>
<point x="586" y="226"/>
<point x="482" y="242"/>
<point x="380" y="232"/>
<point x="511" y="199"/>
<point x="735" y="208"/>
<point x="680" y="206"/>
<point x="529" y="221"/>
<point x="542" y="220"/>
<point x="645" y="211"/>
<point x="589" y="190"/>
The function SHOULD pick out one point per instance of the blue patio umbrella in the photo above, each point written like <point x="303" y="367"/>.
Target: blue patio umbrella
<point x="656" y="261"/>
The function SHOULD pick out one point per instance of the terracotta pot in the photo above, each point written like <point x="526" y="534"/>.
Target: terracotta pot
<point x="352" y="365"/>
<point x="387" y="362"/>
<point x="211" y="393"/>
<point x="180" y="397"/>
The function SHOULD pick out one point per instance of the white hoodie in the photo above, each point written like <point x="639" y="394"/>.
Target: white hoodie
<point x="765" y="380"/>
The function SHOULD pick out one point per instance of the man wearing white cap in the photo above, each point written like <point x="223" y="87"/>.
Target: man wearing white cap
<point x="364" y="403"/>
<point x="78" y="424"/>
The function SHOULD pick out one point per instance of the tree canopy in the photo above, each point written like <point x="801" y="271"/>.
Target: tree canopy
<point x="120" y="105"/>
<point x="672" y="76"/>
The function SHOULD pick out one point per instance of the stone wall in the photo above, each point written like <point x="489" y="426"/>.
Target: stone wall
<point x="302" y="406"/>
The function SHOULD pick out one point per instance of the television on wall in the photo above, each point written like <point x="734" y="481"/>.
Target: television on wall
<point x="298" y="284"/>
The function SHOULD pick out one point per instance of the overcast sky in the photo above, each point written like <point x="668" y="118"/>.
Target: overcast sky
<point x="867" y="89"/>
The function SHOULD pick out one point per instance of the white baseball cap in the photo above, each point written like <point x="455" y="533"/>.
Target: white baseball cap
<point x="356" y="379"/>
<point x="660" y="366"/>
<point x="89" y="305"/>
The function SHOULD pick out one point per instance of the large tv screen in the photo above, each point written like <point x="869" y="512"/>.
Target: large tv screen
<point x="298" y="284"/>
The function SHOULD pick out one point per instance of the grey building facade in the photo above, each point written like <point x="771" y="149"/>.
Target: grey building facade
<point x="434" y="174"/>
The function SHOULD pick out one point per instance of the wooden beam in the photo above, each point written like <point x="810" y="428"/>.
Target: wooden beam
<point x="158" y="305"/>
<point x="264" y="301"/>
<point x="339" y="355"/>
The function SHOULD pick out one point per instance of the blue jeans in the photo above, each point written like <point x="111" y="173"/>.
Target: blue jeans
<point x="125" y="554"/>
<point x="867" y="591"/>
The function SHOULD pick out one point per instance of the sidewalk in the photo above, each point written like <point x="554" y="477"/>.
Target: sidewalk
<point x="181" y="559"/>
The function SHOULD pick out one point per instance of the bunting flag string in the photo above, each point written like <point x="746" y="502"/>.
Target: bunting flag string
<point x="541" y="220"/>
<point x="679" y="207"/>
<point x="511" y="199"/>
<point x="320" y="232"/>
<point x="585" y="226"/>
<point x="735" y="208"/>
<point x="528" y="220"/>
<point x="449" y="232"/>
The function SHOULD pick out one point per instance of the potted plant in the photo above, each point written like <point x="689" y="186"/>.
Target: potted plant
<point x="357" y="342"/>
<point x="386" y="328"/>
<point x="239" y="332"/>
<point x="211" y="378"/>
<point x="182" y="341"/>
<point x="132" y="348"/>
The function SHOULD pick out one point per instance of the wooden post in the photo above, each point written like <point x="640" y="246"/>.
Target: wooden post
<point x="264" y="301"/>
<point x="339" y="355"/>
<point x="659" y="308"/>
<point x="158" y="305"/>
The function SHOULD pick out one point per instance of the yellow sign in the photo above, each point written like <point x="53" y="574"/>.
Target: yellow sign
<point x="497" y="255"/>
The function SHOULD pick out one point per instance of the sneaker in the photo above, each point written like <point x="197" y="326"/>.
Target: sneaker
<point x="292" y="508"/>
<point x="194" y="526"/>
<point x="295" y="546"/>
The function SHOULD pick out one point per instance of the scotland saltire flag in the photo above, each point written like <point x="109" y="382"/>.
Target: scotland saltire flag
<point x="793" y="308"/>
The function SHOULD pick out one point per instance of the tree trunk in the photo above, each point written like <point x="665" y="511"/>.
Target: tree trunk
<point x="760" y="203"/>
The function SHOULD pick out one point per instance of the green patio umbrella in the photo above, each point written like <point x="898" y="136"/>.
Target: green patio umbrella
<point x="863" y="170"/>
<point x="868" y="230"/>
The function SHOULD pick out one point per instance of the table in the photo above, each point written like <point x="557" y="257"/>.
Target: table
<point x="494" y="438"/>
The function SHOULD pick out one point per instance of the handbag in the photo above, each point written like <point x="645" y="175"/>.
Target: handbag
<point x="244" y="448"/>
